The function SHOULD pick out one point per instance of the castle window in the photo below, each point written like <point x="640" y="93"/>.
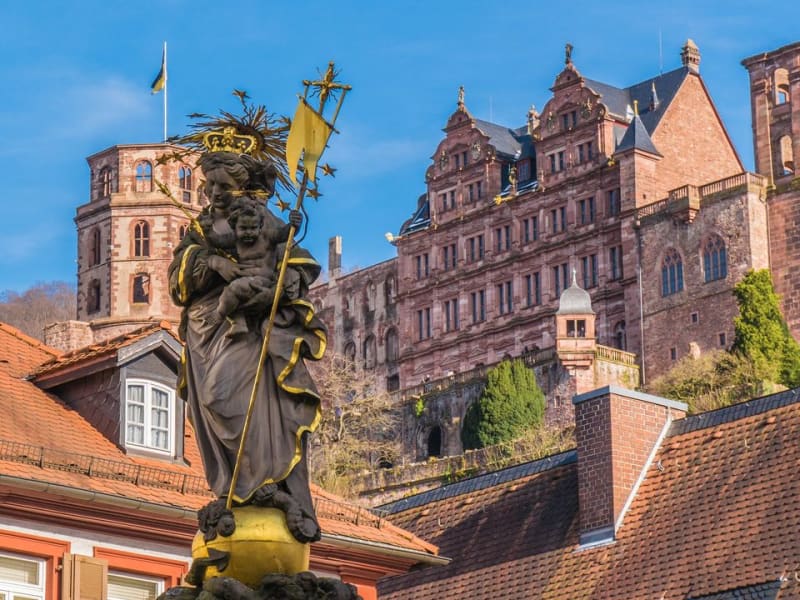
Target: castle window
<point x="389" y="289"/>
<point x="615" y="259"/>
<point x="185" y="183"/>
<point x="141" y="288"/>
<point x="422" y="265"/>
<point x="560" y="278"/>
<point x="21" y="577"/>
<point x="370" y="353"/>
<point x="781" y="83"/>
<point x="141" y="239"/>
<point x="350" y="352"/>
<point x="586" y="210"/>
<point x="144" y="177"/>
<point x="478" y="304"/>
<point x="449" y="257"/>
<point x="533" y="291"/>
<point x="715" y="259"/>
<point x="95" y="246"/>
<point x="93" y="297"/>
<point x="182" y="232"/>
<point x="424" y="323"/>
<point x="524" y="170"/>
<point x="723" y="340"/>
<point x="392" y="346"/>
<point x="475" y="248"/>
<point x="787" y="156"/>
<point x="502" y="239"/>
<point x="149" y="421"/>
<point x="576" y="328"/>
<point x="451" y="322"/>
<point x="435" y="442"/>
<point x="105" y="182"/>
<point x="620" y="338"/>
<point x="589" y="264"/>
<point x="671" y="273"/>
<point x="505" y="297"/>
<point x="613" y="204"/>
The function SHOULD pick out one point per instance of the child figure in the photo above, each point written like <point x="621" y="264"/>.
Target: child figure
<point x="257" y="250"/>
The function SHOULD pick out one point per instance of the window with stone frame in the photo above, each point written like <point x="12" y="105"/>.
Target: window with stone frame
<point x="781" y="86"/>
<point x="589" y="271"/>
<point x="524" y="170"/>
<point x="533" y="289"/>
<point x="424" y="325"/>
<point x="93" y="297"/>
<point x="620" y="336"/>
<point x="530" y="229"/>
<point x="141" y="288"/>
<point x="392" y="345"/>
<point x="478" y="306"/>
<point x="449" y="257"/>
<point x="350" y="352"/>
<point x="787" y="156"/>
<point x="586" y="212"/>
<point x="141" y="238"/>
<point x="502" y="239"/>
<point x="671" y="273"/>
<point x="21" y="577"/>
<point x="185" y="183"/>
<point x="560" y="278"/>
<point x="144" y="177"/>
<point x="505" y="297"/>
<point x="127" y="586"/>
<point x="95" y="247"/>
<point x="615" y="261"/>
<point x="149" y="416"/>
<point x="613" y="202"/>
<point x="182" y="232"/>
<point x="422" y="265"/>
<point x="105" y="182"/>
<point x="370" y="352"/>
<point x="715" y="259"/>
<point x="475" y="248"/>
<point x="451" y="316"/>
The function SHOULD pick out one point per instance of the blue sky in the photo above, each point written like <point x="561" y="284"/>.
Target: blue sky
<point x="74" y="79"/>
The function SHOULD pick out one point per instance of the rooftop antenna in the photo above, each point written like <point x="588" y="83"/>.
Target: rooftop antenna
<point x="660" y="55"/>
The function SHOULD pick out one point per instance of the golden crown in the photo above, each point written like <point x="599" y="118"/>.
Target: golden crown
<point x="228" y="140"/>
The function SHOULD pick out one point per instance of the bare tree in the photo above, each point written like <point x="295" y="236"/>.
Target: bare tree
<point x="359" y="428"/>
<point x="43" y="303"/>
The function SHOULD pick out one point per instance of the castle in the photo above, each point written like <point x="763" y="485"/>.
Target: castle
<point x="637" y="193"/>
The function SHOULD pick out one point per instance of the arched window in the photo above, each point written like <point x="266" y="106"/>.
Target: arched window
<point x="671" y="273"/>
<point x="105" y="182"/>
<point x="781" y="82"/>
<point x="715" y="259"/>
<point x="620" y="338"/>
<point x="181" y="232"/>
<point x="93" y="297"/>
<point x="94" y="248"/>
<point x="392" y="345"/>
<point x="144" y="177"/>
<point x="141" y="288"/>
<point x="185" y="183"/>
<point x="787" y="156"/>
<point x="141" y="239"/>
<point x="370" y="352"/>
<point x="371" y="293"/>
<point x="350" y="352"/>
<point x="435" y="441"/>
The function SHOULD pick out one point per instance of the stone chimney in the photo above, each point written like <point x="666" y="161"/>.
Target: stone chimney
<point x="690" y="56"/>
<point x="334" y="257"/>
<point x="618" y="432"/>
<point x="68" y="335"/>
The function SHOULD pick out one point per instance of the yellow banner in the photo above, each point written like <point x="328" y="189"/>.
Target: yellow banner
<point x="308" y="134"/>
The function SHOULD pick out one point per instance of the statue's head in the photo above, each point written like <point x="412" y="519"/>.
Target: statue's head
<point x="246" y="218"/>
<point x="229" y="175"/>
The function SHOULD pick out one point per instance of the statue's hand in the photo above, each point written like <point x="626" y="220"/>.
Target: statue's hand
<point x="262" y="301"/>
<point x="295" y="218"/>
<point x="227" y="269"/>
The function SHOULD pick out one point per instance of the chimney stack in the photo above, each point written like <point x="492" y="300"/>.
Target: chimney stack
<point x="690" y="56"/>
<point x="618" y="432"/>
<point x="334" y="257"/>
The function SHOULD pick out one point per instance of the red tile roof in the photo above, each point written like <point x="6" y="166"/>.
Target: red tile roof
<point x="22" y="352"/>
<point x="718" y="513"/>
<point x="44" y="440"/>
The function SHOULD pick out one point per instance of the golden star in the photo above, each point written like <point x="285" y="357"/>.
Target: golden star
<point x="328" y="170"/>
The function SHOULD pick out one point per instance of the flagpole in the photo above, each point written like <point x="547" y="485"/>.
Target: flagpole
<point x="166" y="84"/>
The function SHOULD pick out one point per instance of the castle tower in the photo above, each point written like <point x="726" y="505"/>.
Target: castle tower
<point x="126" y="235"/>
<point x="775" y="103"/>
<point x="575" y="335"/>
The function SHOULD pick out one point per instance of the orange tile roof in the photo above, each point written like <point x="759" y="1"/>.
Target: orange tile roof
<point x="21" y="352"/>
<point x="718" y="511"/>
<point x="44" y="440"/>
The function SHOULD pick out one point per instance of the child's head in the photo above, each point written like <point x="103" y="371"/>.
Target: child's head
<point x="246" y="218"/>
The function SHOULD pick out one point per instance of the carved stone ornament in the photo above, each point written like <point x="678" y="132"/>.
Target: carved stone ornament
<point x="443" y="160"/>
<point x="476" y="150"/>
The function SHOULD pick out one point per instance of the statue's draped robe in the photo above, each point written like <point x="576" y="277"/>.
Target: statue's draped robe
<point x="218" y="373"/>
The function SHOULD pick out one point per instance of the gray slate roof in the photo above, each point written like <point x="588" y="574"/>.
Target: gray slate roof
<point x="636" y="137"/>
<point x="502" y="138"/>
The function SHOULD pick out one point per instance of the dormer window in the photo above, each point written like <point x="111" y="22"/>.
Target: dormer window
<point x="149" y="416"/>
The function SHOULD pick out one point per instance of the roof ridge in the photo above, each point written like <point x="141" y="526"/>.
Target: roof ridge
<point x="728" y="414"/>
<point x="483" y="481"/>
<point x="30" y="340"/>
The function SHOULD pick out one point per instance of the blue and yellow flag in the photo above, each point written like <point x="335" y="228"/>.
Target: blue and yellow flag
<point x="161" y="79"/>
<point x="308" y="134"/>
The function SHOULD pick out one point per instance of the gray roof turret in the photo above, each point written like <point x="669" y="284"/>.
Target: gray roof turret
<point x="575" y="300"/>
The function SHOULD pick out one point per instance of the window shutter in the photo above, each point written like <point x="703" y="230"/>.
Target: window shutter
<point x="83" y="578"/>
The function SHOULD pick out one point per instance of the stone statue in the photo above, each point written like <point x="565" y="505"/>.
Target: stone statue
<point x="214" y="275"/>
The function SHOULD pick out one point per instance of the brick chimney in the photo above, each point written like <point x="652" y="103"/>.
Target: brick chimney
<point x="334" y="257"/>
<point x="617" y="432"/>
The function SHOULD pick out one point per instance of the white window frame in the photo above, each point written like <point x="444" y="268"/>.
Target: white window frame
<point x="136" y="577"/>
<point x="149" y="386"/>
<point x="10" y="589"/>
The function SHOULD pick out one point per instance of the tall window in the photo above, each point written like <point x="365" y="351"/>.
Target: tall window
<point x="144" y="177"/>
<point x="141" y="288"/>
<point x="95" y="246"/>
<point x="141" y="239"/>
<point x="451" y="319"/>
<point x="671" y="273"/>
<point x="105" y="182"/>
<point x="589" y="268"/>
<point x="781" y="86"/>
<point x="424" y="323"/>
<point x="533" y="290"/>
<point x="475" y="249"/>
<point x="530" y="229"/>
<point x="449" y="257"/>
<point x="392" y="345"/>
<point x="586" y="210"/>
<point x="502" y="238"/>
<point x="350" y="352"/>
<point x="615" y="260"/>
<point x="478" y="305"/>
<point x="148" y="416"/>
<point x="422" y="265"/>
<point x="620" y="339"/>
<point x="715" y="259"/>
<point x="370" y="353"/>
<point x="185" y="183"/>
<point x="613" y="203"/>
<point x="182" y="232"/>
<point x="93" y="297"/>
<point x="560" y="278"/>
<point x="505" y="297"/>
<point x="21" y="578"/>
<point x="787" y="156"/>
